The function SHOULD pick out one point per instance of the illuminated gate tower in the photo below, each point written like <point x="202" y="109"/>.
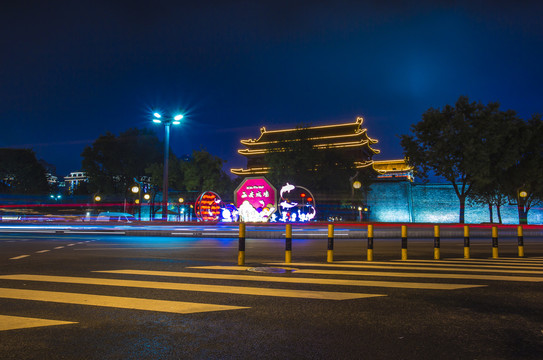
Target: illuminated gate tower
<point x="348" y="137"/>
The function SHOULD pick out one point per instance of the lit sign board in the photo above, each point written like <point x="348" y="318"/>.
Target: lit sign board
<point x="256" y="199"/>
<point x="208" y="206"/>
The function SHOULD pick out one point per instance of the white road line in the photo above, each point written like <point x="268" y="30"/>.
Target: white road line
<point x="437" y="263"/>
<point x="70" y="245"/>
<point x="42" y="251"/>
<point x="397" y="266"/>
<point x="306" y="294"/>
<point x="422" y="275"/>
<point x="291" y="280"/>
<point x="477" y="262"/>
<point x="18" y="322"/>
<point x="503" y="260"/>
<point x="96" y="232"/>
<point x="19" y="257"/>
<point x="59" y="247"/>
<point x="113" y="301"/>
<point x="129" y="248"/>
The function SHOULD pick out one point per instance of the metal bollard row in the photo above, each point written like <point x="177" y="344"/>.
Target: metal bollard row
<point x="370" y="232"/>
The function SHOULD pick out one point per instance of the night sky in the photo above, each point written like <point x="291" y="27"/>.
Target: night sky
<point x="73" y="70"/>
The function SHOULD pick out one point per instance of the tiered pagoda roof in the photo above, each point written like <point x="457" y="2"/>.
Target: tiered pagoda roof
<point x="348" y="136"/>
<point x="327" y="136"/>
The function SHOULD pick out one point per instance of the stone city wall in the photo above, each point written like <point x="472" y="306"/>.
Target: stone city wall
<point x="433" y="203"/>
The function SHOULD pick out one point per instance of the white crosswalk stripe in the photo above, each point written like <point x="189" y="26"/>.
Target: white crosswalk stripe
<point x="354" y="275"/>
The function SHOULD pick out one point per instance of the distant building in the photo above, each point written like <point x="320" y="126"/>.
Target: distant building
<point x="394" y="170"/>
<point x="350" y="138"/>
<point x="74" y="180"/>
<point x="52" y="180"/>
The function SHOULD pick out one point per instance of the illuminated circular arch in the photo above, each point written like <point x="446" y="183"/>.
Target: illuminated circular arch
<point x="208" y="206"/>
<point x="294" y="209"/>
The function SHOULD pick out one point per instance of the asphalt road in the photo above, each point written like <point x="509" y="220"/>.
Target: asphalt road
<point x="96" y="296"/>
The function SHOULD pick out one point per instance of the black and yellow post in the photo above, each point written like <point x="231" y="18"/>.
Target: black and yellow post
<point x="288" y="244"/>
<point x="404" y="242"/>
<point x="241" y="245"/>
<point x="330" y="252"/>
<point x="466" y="242"/>
<point x="370" y="242"/>
<point x="494" y="242"/>
<point x="437" y="243"/>
<point x="520" y="241"/>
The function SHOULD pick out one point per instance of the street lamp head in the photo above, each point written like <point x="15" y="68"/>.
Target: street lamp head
<point x="135" y="189"/>
<point x="157" y="115"/>
<point x="146" y="196"/>
<point x="178" y="117"/>
<point x="523" y="194"/>
<point x="157" y="121"/>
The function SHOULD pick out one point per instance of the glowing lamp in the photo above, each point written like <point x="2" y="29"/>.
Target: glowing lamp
<point x="157" y="121"/>
<point x="137" y="201"/>
<point x="523" y="194"/>
<point x="157" y="115"/>
<point x="357" y="184"/>
<point x="178" y="117"/>
<point x="310" y="199"/>
<point x="181" y="200"/>
<point x="146" y="196"/>
<point x="302" y="195"/>
<point x="135" y="189"/>
<point x="97" y="198"/>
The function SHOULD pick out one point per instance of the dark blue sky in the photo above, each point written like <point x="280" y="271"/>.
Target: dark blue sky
<point x="72" y="70"/>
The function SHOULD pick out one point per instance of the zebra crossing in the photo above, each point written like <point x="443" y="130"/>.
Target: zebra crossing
<point x="357" y="276"/>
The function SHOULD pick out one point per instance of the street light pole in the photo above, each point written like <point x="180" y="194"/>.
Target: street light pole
<point x="167" y="122"/>
<point x="165" y="173"/>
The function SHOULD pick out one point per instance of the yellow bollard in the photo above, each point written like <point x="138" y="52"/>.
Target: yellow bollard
<point x="466" y="242"/>
<point x="370" y="242"/>
<point x="241" y="245"/>
<point x="288" y="244"/>
<point x="404" y="242"/>
<point x="494" y="242"/>
<point x="520" y="241"/>
<point x="330" y="252"/>
<point x="437" y="243"/>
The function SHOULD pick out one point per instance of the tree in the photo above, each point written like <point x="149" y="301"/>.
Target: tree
<point x="21" y="173"/>
<point x="203" y="172"/>
<point x="456" y="143"/>
<point x="524" y="180"/>
<point x="112" y="162"/>
<point x="502" y="150"/>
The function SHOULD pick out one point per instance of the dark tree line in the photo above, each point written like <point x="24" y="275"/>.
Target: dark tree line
<point x="21" y="172"/>
<point x="490" y="156"/>
<point x="112" y="162"/>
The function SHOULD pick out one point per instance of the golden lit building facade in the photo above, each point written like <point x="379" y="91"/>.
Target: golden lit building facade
<point x="349" y="138"/>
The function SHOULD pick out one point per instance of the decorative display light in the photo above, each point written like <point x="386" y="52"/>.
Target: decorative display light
<point x="208" y="206"/>
<point x="290" y="207"/>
